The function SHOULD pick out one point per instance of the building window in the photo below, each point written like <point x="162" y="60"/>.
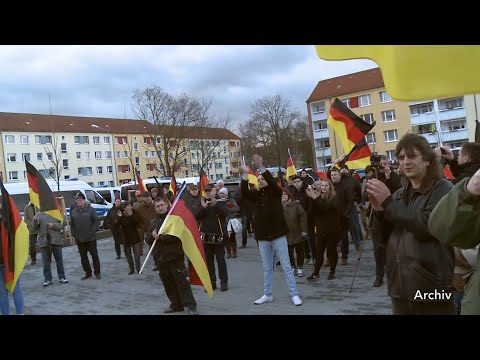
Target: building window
<point x="125" y="154"/>
<point x="150" y="167"/>
<point x="87" y="155"/>
<point x="421" y="109"/>
<point x="318" y="108"/>
<point x="320" y="125"/>
<point x="424" y="129"/>
<point x="367" y="118"/>
<point x="43" y="139"/>
<point x="63" y="147"/>
<point x="137" y="160"/>
<point x="453" y="125"/>
<point x="79" y="155"/>
<point x="25" y="156"/>
<point x="98" y="155"/>
<point x="9" y="139"/>
<point x="13" y="175"/>
<point x="120" y="140"/>
<point x="108" y="154"/>
<point x="12" y="157"/>
<point x="100" y="170"/>
<point x="153" y="154"/>
<point x="448" y="104"/>
<point x="81" y="140"/>
<point x="106" y="139"/>
<point x="49" y="156"/>
<point x="370" y="138"/>
<point x="391" y="155"/>
<point x="364" y="100"/>
<point x="388" y="115"/>
<point x="24" y="139"/>
<point x="346" y="102"/>
<point x="390" y="135"/>
<point x="96" y="140"/>
<point x="456" y="144"/>
<point x="384" y="97"/>
<point x="39" y="156"/>
<point x="65" y="164"/>
<point x="109" y="169"/>
<point x="135" y="146"/>
<point x="118" y="155"/>
<point x="101" y="183"/>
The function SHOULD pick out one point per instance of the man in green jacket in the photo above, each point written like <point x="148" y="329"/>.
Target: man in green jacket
<point x="455" y="221"/>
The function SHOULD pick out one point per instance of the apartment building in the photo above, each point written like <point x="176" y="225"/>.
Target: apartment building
<point x="99" y="151"/>
<point x="445" y="121"/>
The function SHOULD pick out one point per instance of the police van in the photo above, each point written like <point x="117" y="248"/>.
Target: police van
<point x="20" y="194"/>
<point x="109" y="193"/>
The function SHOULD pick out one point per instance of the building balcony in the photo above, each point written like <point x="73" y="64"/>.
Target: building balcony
<point x="447" y="136"/>
<point x="320" y="134"/>
<point x="319" y="116"/>
<point x="450" y="114"/>
<point x="423" y="118"/>
<point x="323" y="152"/>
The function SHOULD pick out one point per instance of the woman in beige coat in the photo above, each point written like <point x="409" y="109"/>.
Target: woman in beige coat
<point x="296" y="219"/>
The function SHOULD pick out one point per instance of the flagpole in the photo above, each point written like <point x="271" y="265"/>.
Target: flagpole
<point x="184" y="185"/>
<point x="290" y="156"/>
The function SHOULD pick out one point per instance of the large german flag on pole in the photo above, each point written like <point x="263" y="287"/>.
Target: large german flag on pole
<point x="291" y="171"/>
<point x="141" y="185"/>
<point x="348" y="126"/>
<point x="181" y="223"/>
<point x="173" y="186"/>
<point x="14" y="240"/>
<point x="203" y="182"/>
<point x="40" y="193"/>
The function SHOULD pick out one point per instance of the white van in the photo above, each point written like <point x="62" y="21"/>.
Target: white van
<point x="68" y="189"/>
<point x="108" y="193"/>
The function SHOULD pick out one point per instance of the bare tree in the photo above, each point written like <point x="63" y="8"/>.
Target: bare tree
<point x="201" y="144"/>
<point x="56" y="156"/>
<point x="273" y="118"/>
<point x="249" y="137"/>
<point x="170" y="118"/>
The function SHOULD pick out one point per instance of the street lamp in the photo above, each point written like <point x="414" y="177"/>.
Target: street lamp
<point x="111" y="152"/>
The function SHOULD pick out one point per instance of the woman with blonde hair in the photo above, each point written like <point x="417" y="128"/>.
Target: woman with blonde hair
<point x="326" y="218"/>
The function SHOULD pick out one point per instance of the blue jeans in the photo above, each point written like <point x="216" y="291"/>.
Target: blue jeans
<point x="354" y="228"/>
<point x="17" y="295"/>
<point x="46" y="253"/>
<point x="268" y="251"/>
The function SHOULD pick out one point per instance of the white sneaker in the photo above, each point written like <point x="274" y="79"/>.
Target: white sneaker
<point x="299" y="272"/>
<point x="264" y="299"/>
<point x="296" y="300"/>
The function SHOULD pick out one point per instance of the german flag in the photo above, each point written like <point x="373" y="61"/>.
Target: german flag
<point x="181" y="223"/>
<point x="349" y="127"/>
<point x="14" y="241"/>
<point x="291" y="171"/>
<point x="40" y="193"/>
<point x="203" y="182"/>
<point x="252" y="178"/>
<point x="358" y="157"/>
<point x="141" y="185"/>
<point x="173" y="186"/>
<point x="417" y="72"/>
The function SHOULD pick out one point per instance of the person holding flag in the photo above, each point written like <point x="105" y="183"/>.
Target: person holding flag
<point x="170" y="260"/>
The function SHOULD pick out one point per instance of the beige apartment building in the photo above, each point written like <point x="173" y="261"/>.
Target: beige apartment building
<point x="99" y="151"/>
<point x="441" y="121"/>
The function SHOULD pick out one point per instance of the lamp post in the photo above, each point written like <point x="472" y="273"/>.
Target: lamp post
<point x="111" y="152"/>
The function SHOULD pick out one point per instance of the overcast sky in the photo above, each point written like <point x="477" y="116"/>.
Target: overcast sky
<point x="99" y="80"/>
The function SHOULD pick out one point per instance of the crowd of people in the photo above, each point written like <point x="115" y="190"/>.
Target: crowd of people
<point x="425" y="230"/>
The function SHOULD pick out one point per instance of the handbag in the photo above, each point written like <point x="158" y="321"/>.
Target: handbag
<point x="234" y="225"/>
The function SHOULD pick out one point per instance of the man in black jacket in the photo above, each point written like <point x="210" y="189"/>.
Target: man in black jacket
<point x="171" y="266"/>
<point x="419" y="267"/>
<point x="270" y="229"/>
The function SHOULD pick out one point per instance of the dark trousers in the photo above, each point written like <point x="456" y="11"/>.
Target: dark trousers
<point x="174" y="276"/>
<point x="310" y="246"/>
<point x="343" y="237"/>
<point x="33" y="247"/>
<point x="380" y="254"/>
<point x="217" y="251"/>
<point x="118" y="240"/>
<point x="245" y="226"/>
<point x="299" y="250"/>
<point x="127" y="249"/>
<point x="407" y="307"/>
<point x="85" y="248"/>
<point x="326" y="241"/>
<point x="46" y="253"/>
